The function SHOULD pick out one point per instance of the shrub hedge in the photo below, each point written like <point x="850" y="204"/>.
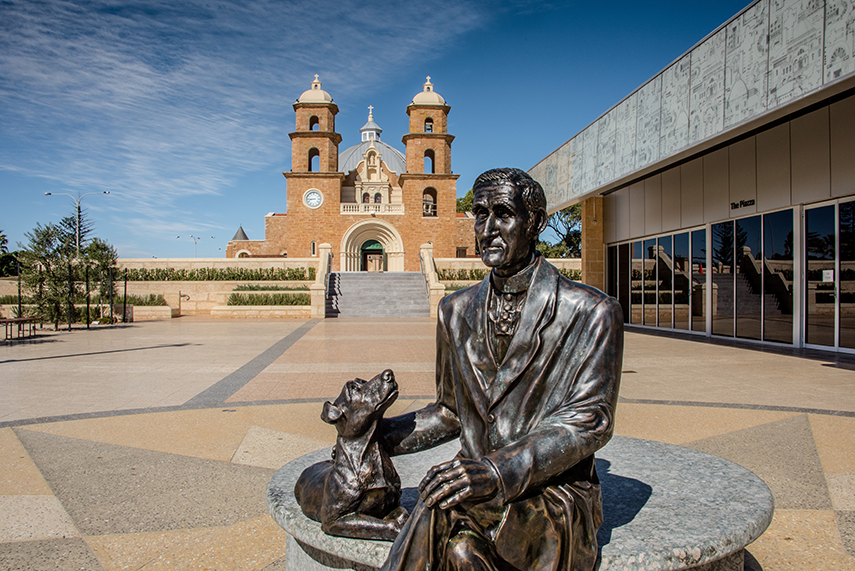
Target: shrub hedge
<point x="217" y="274"/>
<point x="269" y="299"/>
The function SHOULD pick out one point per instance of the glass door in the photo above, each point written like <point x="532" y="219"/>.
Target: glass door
<point x="830" y="276"/>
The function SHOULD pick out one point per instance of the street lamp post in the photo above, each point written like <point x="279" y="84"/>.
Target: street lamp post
<point x="196" y="240"/>
<point x="76" y="204"/>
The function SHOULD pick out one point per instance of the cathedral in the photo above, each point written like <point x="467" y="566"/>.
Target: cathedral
<point x="374" y="204"/>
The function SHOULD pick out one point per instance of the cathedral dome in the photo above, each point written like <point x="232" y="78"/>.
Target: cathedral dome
<point x="315" y="94"/>
<point x="428" y="96"/>
<point x="350" y="158"/>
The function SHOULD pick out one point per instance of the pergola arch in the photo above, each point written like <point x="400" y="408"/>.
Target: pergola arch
<point x="372" y="229"/>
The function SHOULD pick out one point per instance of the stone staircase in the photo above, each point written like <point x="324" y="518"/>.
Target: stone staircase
<point x="747" y="301"/>
<point x="380" y="294"/>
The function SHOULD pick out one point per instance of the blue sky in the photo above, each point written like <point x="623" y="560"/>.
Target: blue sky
<point x="182" y="109"/>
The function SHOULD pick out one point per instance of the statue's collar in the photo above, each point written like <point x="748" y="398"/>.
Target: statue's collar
<point x="518" y="282"/>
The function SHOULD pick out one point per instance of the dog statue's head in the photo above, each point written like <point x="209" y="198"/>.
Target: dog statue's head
<point x="361" y="404"/>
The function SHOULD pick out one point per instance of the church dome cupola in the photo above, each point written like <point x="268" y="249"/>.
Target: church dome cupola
<point x="428" y="96"/>
<point x="371" y="130"/>
<point x="315" y="94"/>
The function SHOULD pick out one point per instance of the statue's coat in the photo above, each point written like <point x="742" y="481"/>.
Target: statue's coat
<point x="538" y="417"/>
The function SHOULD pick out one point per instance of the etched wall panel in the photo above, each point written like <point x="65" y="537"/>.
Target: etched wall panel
<point x="811" y="177"/>
<point x="843" y="147"/>
<point x="606" y="148"/>
<point x="675" y="107"/>
<point x="588" y="179"/>
<point x="647" y="130"/>
<point x="692" y="193"/>
<point x="625" y="125"/>
<point x="795" y="48"/>
<point x="671" y="199"/>
<point x="706" y="116"/>
<point x="564" y="171"/>
<point x="773" y="168"/>
<point x="839" y="38"/>
<point x="747" y="65"/>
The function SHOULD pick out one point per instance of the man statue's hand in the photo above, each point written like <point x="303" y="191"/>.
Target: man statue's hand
<point x="459" y="480"/>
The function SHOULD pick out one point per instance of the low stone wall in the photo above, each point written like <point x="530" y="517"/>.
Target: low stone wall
<point x="204" y="296"/>
<point x="8" y="286"/>
<point x="199" y="263"/>
<point x="262" y="312"/>
<point x="148" y="312"/>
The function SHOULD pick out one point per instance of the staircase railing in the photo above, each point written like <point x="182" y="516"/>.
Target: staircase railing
<point x="320" y="289"/>
<point x="435" y="290"/>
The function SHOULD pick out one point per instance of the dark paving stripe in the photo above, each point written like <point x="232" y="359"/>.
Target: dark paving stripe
<point x="798" y="409"/>
<point x="783" y="453"/>
<point x="220" y="391"/>
<point x="48" y="555"/>
<point x="430" y="398"/>
<point x="107" y="488"/>
<point x="846" y="525"/>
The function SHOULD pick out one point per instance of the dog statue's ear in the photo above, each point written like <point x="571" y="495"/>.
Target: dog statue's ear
<point x="331" y="413"/>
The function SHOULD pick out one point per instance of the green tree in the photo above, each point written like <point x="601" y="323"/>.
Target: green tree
<point x="464" y="204"/>
<point x="54" y="276"/>
<point x="567" y="226"/>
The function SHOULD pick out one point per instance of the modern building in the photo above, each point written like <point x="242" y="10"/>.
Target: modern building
<point x="719" y="197"/>
<point x="375" y="205"/>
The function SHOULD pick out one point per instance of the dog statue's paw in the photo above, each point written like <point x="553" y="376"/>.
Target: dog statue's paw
<point x="397" y="518"/>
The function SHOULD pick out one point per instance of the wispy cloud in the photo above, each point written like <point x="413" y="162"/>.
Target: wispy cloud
<point x="164" y="99"/>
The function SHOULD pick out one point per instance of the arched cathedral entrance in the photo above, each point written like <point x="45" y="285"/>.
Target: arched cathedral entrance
<point x="372" y="233"/>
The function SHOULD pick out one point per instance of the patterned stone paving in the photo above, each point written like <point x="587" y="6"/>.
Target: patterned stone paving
<point x="107" y="461"/>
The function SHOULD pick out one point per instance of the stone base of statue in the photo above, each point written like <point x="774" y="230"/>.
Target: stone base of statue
<point x="666" y="507"/>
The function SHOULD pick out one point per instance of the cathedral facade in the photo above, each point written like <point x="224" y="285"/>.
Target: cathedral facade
<point x="372" y="203"/>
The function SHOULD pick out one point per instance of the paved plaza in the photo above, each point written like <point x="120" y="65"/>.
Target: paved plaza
<point x="149" y="445"/>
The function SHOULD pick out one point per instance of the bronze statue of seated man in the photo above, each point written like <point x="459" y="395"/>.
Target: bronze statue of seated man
<point x="527" y="375"/>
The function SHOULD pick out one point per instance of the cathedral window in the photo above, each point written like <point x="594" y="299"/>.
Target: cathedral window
<point x="314" y="160"/>
<point x="429" y="159"/>
<point x="314" y="123"/>
<point x="428" y="125"/>
<point x="314" y="249"/>
<point x="429" y="202"/>
<point x="378" y="198"/>
<point x="366" y="198"/>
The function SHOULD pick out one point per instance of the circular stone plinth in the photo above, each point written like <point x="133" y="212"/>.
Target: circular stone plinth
<point x="666" y="507"/>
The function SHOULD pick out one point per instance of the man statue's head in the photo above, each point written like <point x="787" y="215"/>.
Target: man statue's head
<point x="510" y="213"/>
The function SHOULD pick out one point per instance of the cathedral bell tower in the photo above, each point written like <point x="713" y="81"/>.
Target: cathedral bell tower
<point x="428" y="186"/>
<point x="314" y="183"/>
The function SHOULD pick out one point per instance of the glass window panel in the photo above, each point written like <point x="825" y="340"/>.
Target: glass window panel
<point x="723" y="280"/>
<point x="637" y="307"/>
<point x="819" y="273"/>
<point x="611" y="285"/>
<point x="649" y="283"/>
<point x="682" y="281"/>
<point x="699" y="280"/>
<point x="847" y="275"/>
<point x="749" y="278"/>
<point x="665" y="267"/>
<point x="624" y="280"/>
<point x="778" y="276"/>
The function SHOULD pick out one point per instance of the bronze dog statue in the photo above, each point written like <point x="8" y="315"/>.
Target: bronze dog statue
<point x="357" y="493"/>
